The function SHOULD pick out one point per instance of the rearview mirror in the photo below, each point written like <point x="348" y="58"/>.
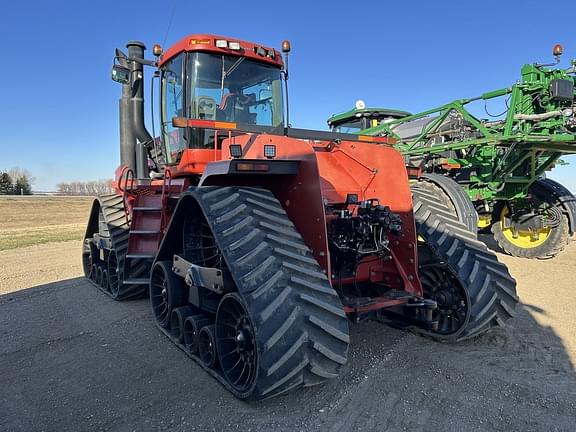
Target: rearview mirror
<point x="264" y="95"/>
<point x="120" y="74"/>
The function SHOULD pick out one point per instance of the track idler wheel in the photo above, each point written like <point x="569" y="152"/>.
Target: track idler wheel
<point x="192" y="326"/>
<point x="93" y="271"/>
<point x="207" y="346"/>
<point x="236" y="343"/>
<point x="98" y="275"/>
<point x="114" y="274"/>
<point x="104" y="280"/>
<point x="166" y="292"/>
<point x="177" y="319"/>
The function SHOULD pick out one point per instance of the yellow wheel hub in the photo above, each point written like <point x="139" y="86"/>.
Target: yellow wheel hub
<point x="484" y="221"/>
<point x="525" y="239"/>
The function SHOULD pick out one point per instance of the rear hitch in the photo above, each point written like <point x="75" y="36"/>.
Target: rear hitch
<point x="417" y="312"/>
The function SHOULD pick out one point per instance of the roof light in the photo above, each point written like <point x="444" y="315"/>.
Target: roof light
<point x="234" y="45"/>
<point x="271" y="53"/>
<point x="157" y="50"/>
<point x="260" y="51"/>
<point x="286" y="46"/>
<point x="220" y="43"/>
<point x="235" y="150"/>
<point x="270" y="151"/>
<point x="557" y="51"/>
<point x="360" y="104"/>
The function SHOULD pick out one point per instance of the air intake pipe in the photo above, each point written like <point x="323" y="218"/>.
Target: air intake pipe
<point x="136" y="56"/>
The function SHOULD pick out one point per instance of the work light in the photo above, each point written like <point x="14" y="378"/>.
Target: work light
<point x="235" y="150"/>
<point x="270" y="151"/>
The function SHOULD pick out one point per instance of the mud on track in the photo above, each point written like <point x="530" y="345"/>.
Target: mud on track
<point x="72" y="359"/>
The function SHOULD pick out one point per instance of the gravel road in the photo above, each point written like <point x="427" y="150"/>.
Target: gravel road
<point x="71" y="359"/>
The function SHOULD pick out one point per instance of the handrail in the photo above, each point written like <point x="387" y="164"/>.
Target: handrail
<point x="164" y="197"/>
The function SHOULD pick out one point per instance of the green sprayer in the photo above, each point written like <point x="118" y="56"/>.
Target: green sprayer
<point x="491" y="172"/>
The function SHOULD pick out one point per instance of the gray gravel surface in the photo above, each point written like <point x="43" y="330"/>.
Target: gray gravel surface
<point x="72" y="359"/>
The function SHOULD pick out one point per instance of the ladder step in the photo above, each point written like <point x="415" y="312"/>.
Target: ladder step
<point x="145" y="232"/>
<point x="137" y="281"/>
<point x="147" y="209"/>
<point x="141" y="255"/>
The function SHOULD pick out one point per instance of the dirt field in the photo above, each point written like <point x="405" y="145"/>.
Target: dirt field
<point x="71" y="359"/>
<point x="26" y="221"/>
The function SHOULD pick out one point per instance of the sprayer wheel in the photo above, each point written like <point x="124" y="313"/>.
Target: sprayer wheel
<point x="546" y="243"/>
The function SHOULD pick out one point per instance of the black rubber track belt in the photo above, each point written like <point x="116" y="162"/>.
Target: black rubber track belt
<point x="490" y="288"/>
<point x="447" y="189"/>
<point x="301" y="329"/>
<point x="559" y="237"/>
<point x="118" y="230"/>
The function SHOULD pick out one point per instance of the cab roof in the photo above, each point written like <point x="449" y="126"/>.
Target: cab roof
<point x="207" y="43"/>
<point x="366" y="112"/>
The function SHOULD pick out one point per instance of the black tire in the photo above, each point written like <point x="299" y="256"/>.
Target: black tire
<point x="300" y="325"/>
<point x="166" y="292"/>
<point x="451" y="195"/>
<point x="177" y="318"/>
<point x="463" y="263"/>
<point x="559" y="235"/>
<point x="207" y="347"/>
<point x="192" y="326"/>
<point x="557" y="240"/>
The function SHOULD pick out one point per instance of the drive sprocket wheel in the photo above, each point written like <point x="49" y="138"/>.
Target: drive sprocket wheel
<point x="236" y="343"/>
<point x="474" y="291"/>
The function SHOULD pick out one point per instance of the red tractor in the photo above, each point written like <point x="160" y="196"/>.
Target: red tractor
<point x="258" y="243"/>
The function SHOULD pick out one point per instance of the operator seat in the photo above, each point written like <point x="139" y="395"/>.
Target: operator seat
<point x="226" y="108"/>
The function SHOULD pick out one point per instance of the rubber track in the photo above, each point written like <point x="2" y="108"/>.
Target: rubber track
<point x="112" y="207"/>
<point x="491" y="289"/>
<point x="301" y="327"/>
<point x="453" y="195"/>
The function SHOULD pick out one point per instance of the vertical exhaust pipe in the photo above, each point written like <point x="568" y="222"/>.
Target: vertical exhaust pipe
<point x="127" y="137"/>
<point x="136" y="51"/>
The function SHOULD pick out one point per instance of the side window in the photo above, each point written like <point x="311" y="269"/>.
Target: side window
<point x="173" y="106"/>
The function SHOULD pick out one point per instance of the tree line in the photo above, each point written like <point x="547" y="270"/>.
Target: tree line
<point x="15" y="181"/>
<point x="86" y="188"/>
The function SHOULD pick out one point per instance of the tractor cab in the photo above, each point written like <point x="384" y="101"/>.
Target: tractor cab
<point x="360" y="118"/>
<point x="217" y="80"/>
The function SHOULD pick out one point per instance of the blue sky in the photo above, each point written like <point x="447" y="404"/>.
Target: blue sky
<point x="59" y="115"/>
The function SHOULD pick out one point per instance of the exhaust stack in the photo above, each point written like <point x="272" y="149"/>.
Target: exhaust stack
<point x="134" y="137"/>
<point x="136" y="54"/>
<point x="127" y="138"/>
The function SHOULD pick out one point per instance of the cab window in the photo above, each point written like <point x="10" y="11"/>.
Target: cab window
<point x="173" y="106"/>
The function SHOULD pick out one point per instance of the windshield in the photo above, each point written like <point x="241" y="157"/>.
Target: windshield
<point x="234" y="89"/>
<point x="350" y="127"/>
